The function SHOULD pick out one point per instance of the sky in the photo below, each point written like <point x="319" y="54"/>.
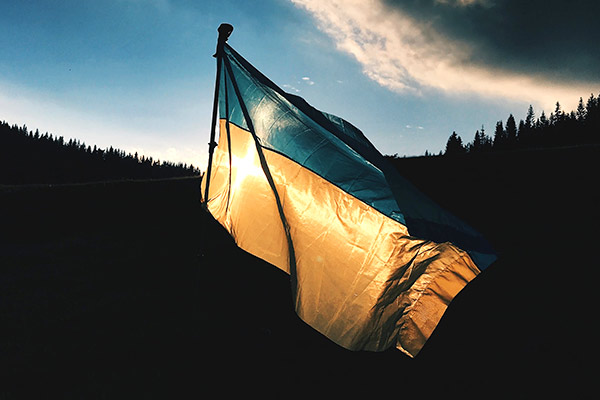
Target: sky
<point x="139" y="74"/>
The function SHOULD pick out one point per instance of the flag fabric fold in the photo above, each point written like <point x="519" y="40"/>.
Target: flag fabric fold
<point x="373" y="263"/>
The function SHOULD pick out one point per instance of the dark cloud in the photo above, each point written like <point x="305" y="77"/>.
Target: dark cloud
<point x="557" y="39"/>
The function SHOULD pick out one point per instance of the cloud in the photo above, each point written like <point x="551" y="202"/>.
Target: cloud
<point x="554" y="38"/>
<point x="289" y="87"/>
<point x="413" y="46"/>
<point x="464" y="3"/>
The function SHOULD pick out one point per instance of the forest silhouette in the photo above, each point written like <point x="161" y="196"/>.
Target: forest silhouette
<point x="30" y="157"/>
<point x="559" y="129"/>
<point x="581" y="126"/>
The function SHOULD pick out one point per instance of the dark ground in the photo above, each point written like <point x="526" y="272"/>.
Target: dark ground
<point x="129" y="290"/>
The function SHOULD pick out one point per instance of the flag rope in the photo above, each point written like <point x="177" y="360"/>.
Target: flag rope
<point x="228" y="135"/>
<point x="267" y="172"/>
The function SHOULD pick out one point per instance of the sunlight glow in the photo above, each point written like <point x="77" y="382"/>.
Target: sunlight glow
<point x="244" y="168"/>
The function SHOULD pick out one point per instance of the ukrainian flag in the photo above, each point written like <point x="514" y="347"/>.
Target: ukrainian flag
<point x="373" y="262"/>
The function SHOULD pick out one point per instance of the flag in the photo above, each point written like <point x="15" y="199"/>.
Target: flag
<point x="373" y="263"/>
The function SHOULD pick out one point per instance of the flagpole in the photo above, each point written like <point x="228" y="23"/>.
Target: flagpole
<point x="224" y="32"/>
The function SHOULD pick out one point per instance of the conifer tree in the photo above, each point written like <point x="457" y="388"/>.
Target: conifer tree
<point x="581" y="111"/>
<point x="454" y="146"/>
<point x="522" y="132"/>
<point x="499" y="136"/>
<point x="526" y="131"/>
<point x="591" y="104"/>
<point x="557" y="116"/>
<point x="543" y="121"/>
<point x="511" y="132"/>
<point x="530" y="118"/>
<point x="487" y="141"/>
<point x="477" y="143"/>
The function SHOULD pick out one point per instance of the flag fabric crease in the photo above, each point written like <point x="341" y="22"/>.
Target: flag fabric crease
<point x="373" y="263"/>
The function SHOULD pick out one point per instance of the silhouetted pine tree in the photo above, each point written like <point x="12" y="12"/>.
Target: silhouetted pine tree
<point x="499" y="137"/>
<point x="526" y="129"/>
<point x="581" y="111"/>
<point x="521" y="132"/>
<point x="481" y="142"/>
<point x="511" y="132"/>
<point x="541" y="129"/>
<point x="557" y="116"/>
<point x="454" y="146"/>
<point x="476" y="145"/>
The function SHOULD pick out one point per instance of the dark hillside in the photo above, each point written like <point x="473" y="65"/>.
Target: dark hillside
<point x="106" y="293"/>
<point x="98" y="286"/>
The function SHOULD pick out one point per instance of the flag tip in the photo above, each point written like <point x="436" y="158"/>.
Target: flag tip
<point x="224" y="32"/>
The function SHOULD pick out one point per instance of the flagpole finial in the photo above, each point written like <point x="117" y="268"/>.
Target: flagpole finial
<point x="224" y="32"/>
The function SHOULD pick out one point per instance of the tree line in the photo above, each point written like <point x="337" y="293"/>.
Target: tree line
<point x="560" y="128"/>
<point x="30" y="157"/>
